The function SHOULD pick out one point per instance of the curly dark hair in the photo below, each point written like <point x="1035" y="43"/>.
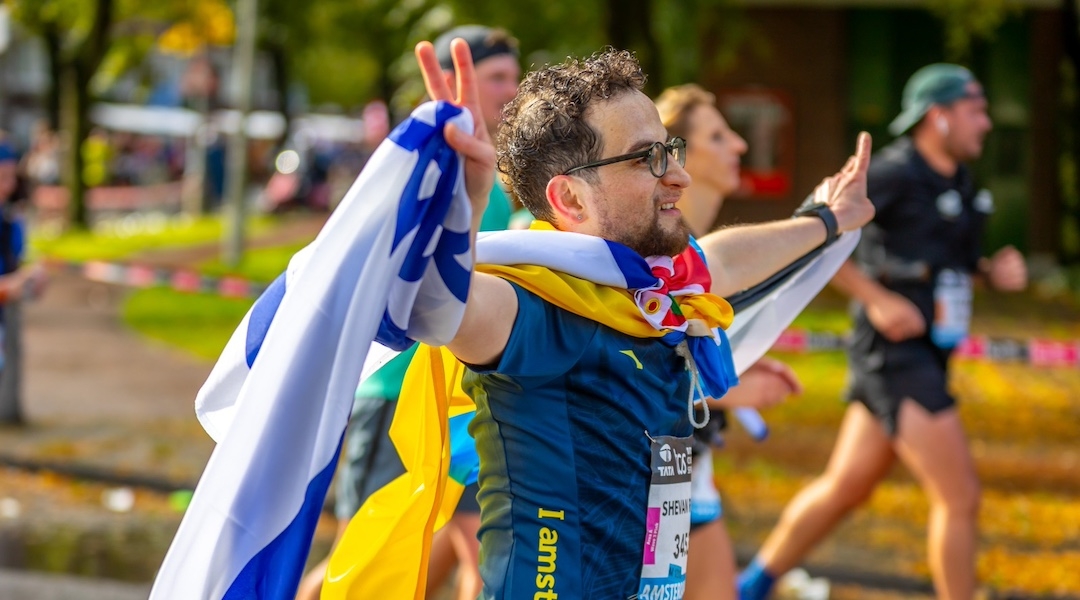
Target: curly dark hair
<point x="544" y="132"/>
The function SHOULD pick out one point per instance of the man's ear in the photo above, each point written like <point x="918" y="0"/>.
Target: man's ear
<point x="565" y="195"/>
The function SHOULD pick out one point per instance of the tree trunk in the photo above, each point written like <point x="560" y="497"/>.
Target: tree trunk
<point x="75" y="119"/>
<point x="75" y="75"/>
<point x="51" y="36"/>
<point x="236" y="176"/>
<point x="280" y="63"/>
<point x="193" y="193"/>
<point x="1071" y="145"/>
<point x="386" y="84"/>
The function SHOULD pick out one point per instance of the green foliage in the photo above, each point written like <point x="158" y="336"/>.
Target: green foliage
<point x="337" y="75"/>
<point x="263" y="264"/>
<point x="71" y="16"/>
<point x="201" y="323"/>
<point x="125" y="238"/>
<point x="969" y="20"/>
<point x="548" y="31"/>
<point x="34" y="14"/>
<point x="196" y="323"/>
<point x="344" y="50"/>
<point x="684" y="31"/>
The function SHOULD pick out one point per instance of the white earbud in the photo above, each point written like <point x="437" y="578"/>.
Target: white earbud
<point x="942" y="125"/>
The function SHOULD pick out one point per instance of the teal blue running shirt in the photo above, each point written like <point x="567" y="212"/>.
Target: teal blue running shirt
<point x="561" y="428"/>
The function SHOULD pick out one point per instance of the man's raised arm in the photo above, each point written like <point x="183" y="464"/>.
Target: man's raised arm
<point x="492" y="304"/>
<point x="740" y="257"/>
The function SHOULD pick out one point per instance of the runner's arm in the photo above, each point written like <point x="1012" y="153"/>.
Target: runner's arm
<point x="491" y="307"/>
<point x="489" y="318"/>
<point x="740" y="257"/>
<point x="891" y="314"/>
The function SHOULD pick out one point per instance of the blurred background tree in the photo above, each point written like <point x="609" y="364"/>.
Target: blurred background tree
<point x="77" y="36"/>
<point x="1070" y="137"/>
<point x="91" y="43"/>
<point x="336" y="55"/>
<point x="967" y="21"/>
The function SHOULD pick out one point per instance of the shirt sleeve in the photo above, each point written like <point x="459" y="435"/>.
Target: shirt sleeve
<point x="545" y="342"/>
<point x="18" y="239"/>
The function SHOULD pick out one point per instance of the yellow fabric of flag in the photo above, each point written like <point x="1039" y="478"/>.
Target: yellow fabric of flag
<point x="385" y="548"/>
<point x="384" y="552"/>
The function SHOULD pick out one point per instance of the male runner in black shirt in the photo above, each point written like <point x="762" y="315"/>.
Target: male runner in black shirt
<point x="912" y="282"/>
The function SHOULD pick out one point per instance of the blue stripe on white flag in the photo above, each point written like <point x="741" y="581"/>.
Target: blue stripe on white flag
<point x="262" y="314"/>
<point x="454" y="275"/>
<point x="276" y="569"/>
<point x="280" y="396"/>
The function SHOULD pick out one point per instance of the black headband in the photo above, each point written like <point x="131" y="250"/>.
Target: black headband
<point x="483" y="44"/>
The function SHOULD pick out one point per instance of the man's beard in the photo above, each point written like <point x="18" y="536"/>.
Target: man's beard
<point x="649" y="239"/>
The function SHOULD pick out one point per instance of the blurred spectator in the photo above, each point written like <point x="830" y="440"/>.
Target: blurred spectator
<point x="351" y="157"/>
<point x="41" y="165"/>
<point x="97" y="154"/>
<point x="16" y="281"/>
<point x="142" y="160"/>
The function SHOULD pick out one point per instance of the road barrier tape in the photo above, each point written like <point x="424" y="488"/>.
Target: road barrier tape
<point x="146" y="276"/>
<point x="1036" y="352"/>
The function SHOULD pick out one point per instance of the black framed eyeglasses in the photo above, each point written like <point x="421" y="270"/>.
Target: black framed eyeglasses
<point x="657" y="156"/>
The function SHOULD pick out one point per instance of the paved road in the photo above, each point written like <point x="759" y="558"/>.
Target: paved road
<point x="99" y="397"/>
<point x="83" y="365"/>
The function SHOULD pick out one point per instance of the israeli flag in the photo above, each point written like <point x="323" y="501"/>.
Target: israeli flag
<point x="391" y="265"/>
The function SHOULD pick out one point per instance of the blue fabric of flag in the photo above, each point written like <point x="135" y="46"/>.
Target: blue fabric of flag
<point x="392" y="263"/>
<point x="262" y="314"/>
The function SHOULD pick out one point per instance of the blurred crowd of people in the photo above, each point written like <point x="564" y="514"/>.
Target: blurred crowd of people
<point x="304" y="171"/>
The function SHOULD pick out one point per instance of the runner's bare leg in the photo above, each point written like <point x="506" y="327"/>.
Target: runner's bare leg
<point x="935" y="450"/>
<point x="861" y="458"/>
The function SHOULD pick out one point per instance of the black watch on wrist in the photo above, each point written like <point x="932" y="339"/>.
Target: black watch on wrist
<point x="823" y="212"/>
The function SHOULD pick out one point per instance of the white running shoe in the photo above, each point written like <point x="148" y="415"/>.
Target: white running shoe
<point x="797" y="584"/>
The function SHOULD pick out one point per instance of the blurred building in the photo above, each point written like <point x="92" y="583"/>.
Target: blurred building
<point x="819" y="71"/>
<point x="161" y="80"/>
<point x="24" y="80"/>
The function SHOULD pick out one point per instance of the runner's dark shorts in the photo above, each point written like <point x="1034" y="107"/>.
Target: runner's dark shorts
<point x="886" y="374"/>
<point x="370" y="460"/>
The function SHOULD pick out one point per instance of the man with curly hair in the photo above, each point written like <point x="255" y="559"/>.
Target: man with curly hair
<point x="582" y="422"/>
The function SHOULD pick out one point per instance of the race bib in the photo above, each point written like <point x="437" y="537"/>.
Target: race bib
<point x="952" y="308"/>
<point x="667" y="521"/>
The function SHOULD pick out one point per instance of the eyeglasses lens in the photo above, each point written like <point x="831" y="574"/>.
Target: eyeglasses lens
<point x="658" y="160"/>
<point x="678" y="150"/>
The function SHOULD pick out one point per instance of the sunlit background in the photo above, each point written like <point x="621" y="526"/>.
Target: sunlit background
<point x="177" y="153"/>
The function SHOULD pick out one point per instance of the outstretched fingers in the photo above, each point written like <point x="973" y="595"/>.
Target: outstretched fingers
<point x="431" y="71"/>
<point x="476" y="148"/>
<point x="823" y="191"/>
<point x="862" y="153"/>
<point x="467" y="93"/>
<point x="468" y="89"/>
<point x="854" y="171"/>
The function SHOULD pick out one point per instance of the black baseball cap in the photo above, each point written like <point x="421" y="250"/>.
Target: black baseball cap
<point x="939" y="83"/>
<point x="484" y="42"/>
